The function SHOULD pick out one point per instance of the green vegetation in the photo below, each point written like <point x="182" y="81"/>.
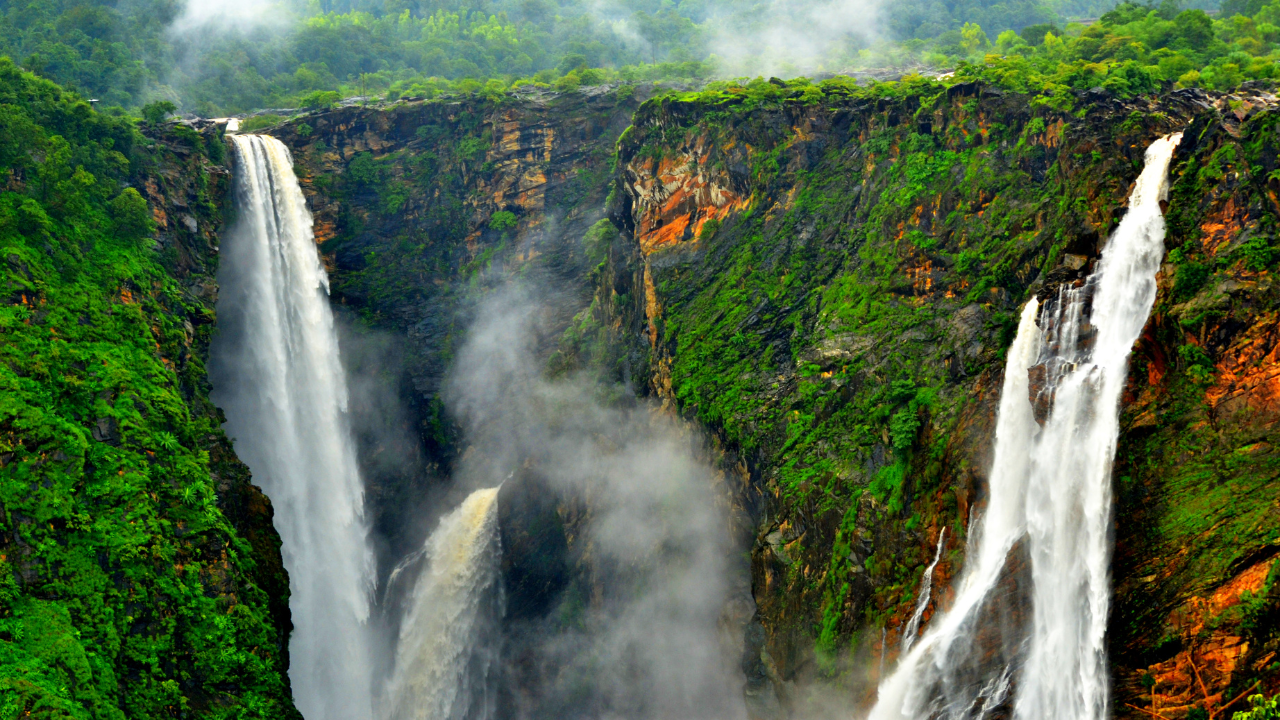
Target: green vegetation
<point x="1262" y="709"/>
<point x="157" y="112"/>
<point x="130" y="54"/>
<point x="259" y="122"/>
<point x="125" y="592"/>
<point x="1133" y="49"/>
<point x="837" y="330"/>
<point x="833" y="334"/>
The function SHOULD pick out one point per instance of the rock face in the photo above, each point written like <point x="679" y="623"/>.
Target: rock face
<point x="194" y="189"/>
<point x="830" y="286"/>
<point x="422" y="211"/>
<point x="827" y="284"/>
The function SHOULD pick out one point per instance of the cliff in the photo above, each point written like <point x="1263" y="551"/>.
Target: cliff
<point x="422" y="210"/>
<point x="828" y="282"/>
<point x="826" y="279"/>
<point x="140" y="575"/>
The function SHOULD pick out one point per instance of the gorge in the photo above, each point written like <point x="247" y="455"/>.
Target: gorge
<point x="621" y="402"/>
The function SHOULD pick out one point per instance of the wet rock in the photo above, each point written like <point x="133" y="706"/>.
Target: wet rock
<point x="1040" y="392"/>
<point x="106" y="430"/>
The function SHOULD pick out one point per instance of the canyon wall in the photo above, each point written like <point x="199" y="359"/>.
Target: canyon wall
<point x="830" y="284"/>
<point x="825" y="282"/>
<point x="423" y="210"/>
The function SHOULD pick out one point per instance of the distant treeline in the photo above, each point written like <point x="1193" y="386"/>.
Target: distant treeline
<point x="126" y="53"/>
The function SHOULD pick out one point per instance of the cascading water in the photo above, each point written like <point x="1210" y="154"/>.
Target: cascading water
<point x="1050" y="501"/>
<point x="446" y="650"/>
<point x="926" y="591"/>
<point x="277" y="375"/>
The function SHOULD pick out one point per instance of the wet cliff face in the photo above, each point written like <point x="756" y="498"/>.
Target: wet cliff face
<point x="189" y="193"/>
<point x="829" y="284"/>
<point x="1197" y="533"/>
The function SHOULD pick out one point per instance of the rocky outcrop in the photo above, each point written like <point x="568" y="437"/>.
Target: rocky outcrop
<point x="189" y="194"/>
<point x="1196" y="622"/>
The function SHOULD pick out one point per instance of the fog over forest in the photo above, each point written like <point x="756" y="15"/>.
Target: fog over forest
<point x="229" y="56"/>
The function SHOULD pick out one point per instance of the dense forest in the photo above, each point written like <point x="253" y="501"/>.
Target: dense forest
<point x="126" y="54"/>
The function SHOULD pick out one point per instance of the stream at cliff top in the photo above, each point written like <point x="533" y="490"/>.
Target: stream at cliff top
<point x="277" y="375"/>
<point x="1028" y="624"/>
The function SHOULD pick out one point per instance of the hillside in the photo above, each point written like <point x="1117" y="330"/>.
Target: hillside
<point x="140" y="572"/>
<point x="826" y="279"/>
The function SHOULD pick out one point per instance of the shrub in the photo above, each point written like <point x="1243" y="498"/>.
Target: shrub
<point x="569" y="82"/>
<point x="130" y="215"/>
<point x="363" y="170"/>
<point x="259" y="122"/>
<point x="503" y="221"/>
<point x="1262" y="709"/>
<point x="320" y="99"/>
<point x="157" y="112"/>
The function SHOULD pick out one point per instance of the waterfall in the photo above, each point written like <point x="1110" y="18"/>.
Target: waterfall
<point x="447" y="646"/>
<point x="277" y="376"/>
<point x="922" y="603"/>
<point x="1050" y="502"/>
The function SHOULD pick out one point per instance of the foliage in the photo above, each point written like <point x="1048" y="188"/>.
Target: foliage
<point x="255" y="123"/>
<point x="126" y="54"/>
<point x="502" y="221"/>
<point x="833" y="332"/>
<point x="157" y="112"/>
<point x="124" y="589"/>
<point x="1260" y="709"/>
<point x="1131" y="50"/>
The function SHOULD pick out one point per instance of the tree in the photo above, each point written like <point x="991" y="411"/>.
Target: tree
<point x="156" y="112"/>
<point x="974" y="39"/>
<point x="131" y="217"/>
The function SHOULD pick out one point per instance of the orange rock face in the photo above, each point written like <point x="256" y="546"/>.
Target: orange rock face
<point x="1200" y="675"/>
<point x="1248" y="375"/>
<point x="676" y="197"/>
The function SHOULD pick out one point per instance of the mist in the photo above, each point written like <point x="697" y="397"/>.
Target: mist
<point x="770" y="37"/>
<point x="648" y="623"/>
<point x="788" y="38"/>
<point x="237" y="55"/>
<point x="201" y="16"/>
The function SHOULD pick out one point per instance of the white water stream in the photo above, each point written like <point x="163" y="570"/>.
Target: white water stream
<point x="926" y="591"/>
<point x="1050" y="502"/>
<point x="277" y="375"/>
<point x="446" y="653"/>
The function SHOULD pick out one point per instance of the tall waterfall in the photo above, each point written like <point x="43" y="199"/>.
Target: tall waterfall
<point x="1050" y="501"/>
<point x="276" y="374"/>
<point x="446" y="650"/>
